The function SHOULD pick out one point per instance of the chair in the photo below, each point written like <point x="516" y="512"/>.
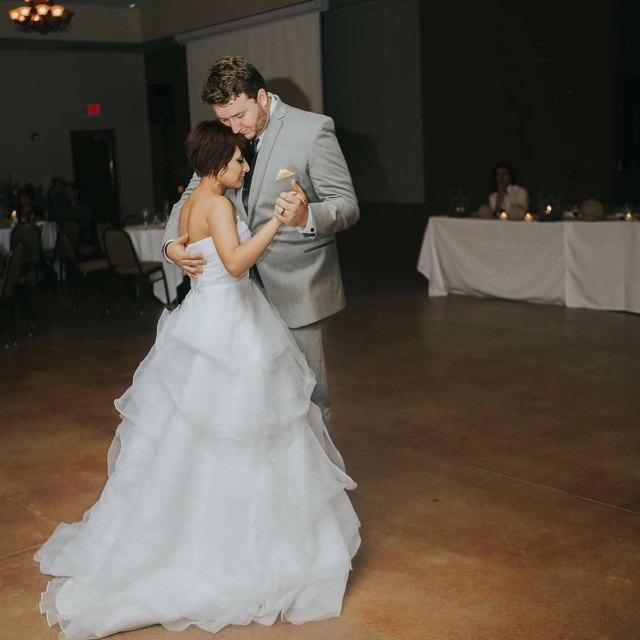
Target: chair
<point x="33" y="269"/>
<point x="55" y="258"/>
<point x="9" y="284"/>
<point x="124" y="262"/>
<point x="72" y="228"/>
<point x="101" y="227"/>
<point x="32" y="258"/>
<point x="132" y="220"/>
<point x="66" y="255"/>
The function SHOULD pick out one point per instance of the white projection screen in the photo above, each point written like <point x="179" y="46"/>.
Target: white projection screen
<point x="285" y="48"/>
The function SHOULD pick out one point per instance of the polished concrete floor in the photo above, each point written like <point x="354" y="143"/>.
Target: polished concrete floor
<point x="496" y="446"/>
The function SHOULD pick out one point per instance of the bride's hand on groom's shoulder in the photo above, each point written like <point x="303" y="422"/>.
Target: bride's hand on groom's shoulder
<point x="190" y="263"/>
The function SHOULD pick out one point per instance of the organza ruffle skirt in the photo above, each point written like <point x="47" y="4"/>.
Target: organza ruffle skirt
<point x="225" y="502"/>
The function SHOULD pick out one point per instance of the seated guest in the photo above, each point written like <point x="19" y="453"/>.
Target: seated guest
<point x="55" y="197"/>
<point x="506" y="193"/>
<point x="79" y="210"/>
<point x="74" y="207"/>
<point x="26" y="208"/>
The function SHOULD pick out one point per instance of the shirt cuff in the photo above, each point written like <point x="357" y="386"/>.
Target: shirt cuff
<point x="310" y="228"/>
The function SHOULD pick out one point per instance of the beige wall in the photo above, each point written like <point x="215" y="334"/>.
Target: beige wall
<point x="288" y="74"/>
<point x="165" y="19"/>
<point x="90" y="24"/>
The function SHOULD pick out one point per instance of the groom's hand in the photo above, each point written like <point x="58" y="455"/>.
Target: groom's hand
<point x="292" y="207"/>
<point x="190" y="263"/>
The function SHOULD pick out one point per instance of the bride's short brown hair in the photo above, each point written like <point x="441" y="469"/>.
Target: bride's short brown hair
<point x="210" y="146"/>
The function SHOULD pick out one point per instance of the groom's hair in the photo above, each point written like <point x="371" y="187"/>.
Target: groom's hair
<point x="210" y="146"/>
<point x="229" y="77"/>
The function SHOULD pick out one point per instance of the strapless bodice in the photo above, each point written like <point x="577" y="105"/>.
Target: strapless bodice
<point x="214" y="272"/>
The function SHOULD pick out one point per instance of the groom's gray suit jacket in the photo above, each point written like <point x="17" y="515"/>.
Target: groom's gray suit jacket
<point x="300" y="273"/>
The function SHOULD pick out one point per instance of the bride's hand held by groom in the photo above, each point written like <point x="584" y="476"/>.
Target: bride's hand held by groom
<point x="292" y="207"/>
<point x="190" y="263"/>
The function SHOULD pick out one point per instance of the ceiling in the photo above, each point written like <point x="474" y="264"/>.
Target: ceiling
<point x="140" y="4"/>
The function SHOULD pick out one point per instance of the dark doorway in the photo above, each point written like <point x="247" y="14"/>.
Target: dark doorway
<point x="95" y="171"/>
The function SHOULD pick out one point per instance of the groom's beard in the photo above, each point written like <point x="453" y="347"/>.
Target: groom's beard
<point x="261" y="123"/>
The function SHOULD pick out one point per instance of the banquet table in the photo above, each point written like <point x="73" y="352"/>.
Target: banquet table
<point x="48" y="233"/>
<point x="148" y="246"/>
<point x="593" y="265"/>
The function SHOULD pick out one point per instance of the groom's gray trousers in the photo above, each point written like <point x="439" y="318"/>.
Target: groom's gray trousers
<point x="310" y="340"/>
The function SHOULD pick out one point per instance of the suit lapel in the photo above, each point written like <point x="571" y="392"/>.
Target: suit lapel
<point x="266" y="147"/>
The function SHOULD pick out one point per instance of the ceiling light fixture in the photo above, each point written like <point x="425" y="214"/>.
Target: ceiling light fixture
<point x="42" y="17"/>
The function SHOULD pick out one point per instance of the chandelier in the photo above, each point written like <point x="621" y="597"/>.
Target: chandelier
<point x="42" y="17"/>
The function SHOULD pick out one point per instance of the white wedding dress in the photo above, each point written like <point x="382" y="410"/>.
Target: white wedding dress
<point x="225" y="502"/>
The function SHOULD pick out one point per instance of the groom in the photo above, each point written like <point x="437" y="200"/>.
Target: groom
<point x="298" y="167"/>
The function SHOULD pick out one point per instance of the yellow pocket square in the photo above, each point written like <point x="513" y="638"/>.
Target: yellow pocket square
<point x="284" y="173"/>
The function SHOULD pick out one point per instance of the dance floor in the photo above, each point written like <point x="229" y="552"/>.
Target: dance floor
<point x="495" y="444"/>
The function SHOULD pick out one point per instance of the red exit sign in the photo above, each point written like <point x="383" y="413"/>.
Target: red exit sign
<point x="94" y="109"/>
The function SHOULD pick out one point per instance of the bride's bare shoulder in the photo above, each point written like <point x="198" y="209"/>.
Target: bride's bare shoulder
<point x="215" y="205"/>
<point x="203" y="204"/>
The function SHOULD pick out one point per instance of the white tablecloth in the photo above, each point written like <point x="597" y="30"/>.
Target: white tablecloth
<point x="48" y="231"/>
<point x="148" y="246"/>
<point x="603" y="265"/>
<point x="595" y="265"/>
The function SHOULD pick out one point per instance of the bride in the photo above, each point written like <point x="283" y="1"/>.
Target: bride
<point x="225" y="501"/>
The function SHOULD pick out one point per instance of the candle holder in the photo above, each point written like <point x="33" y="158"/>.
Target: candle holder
<point x="458" y="203"/>
<point x="548" y="205"/>
<point x="528" y="217"/>
<point x="547" y="212"/>
<point x="503" y="215"/>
